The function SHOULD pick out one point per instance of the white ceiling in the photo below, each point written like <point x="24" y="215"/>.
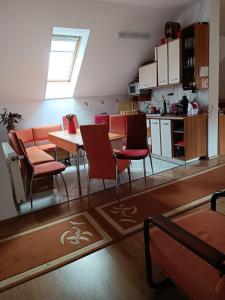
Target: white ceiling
<point x="166" y="4"/>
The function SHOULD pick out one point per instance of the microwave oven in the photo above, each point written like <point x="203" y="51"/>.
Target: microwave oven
<point x="134" y="90"/>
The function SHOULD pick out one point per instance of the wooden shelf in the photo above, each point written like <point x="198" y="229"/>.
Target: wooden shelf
<point x="178" y="145"/>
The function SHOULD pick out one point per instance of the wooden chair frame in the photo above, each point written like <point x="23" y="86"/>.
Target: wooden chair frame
<point x="208" y="253"/>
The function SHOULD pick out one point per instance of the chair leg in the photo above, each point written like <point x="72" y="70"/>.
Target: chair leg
<point x="88" y="189"/>
<point x="64" y="182"/>
<point x="144" y="166"/>
<point x="30" y="192"/>
<point x="129" y="176"/>
<point x="78" y="174"/>
<point x="103" y="182"/>
<point x="150" y="157"/>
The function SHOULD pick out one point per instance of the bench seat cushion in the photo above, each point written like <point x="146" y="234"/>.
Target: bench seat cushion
<point x="47" y="147"/>
<point x="198" y="279"/>
<point x="38" y="156"/>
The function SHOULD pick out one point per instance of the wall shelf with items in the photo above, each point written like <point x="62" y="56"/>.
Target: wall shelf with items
<point x="195" y="56"/>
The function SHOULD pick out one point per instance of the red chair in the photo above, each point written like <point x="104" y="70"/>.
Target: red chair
<point x="190" y="250"/>
<point x="101" y="160"/>
<point x="66" y="122"/>
<point x="136" y="142"/>
<point x="36" y="171"/>
<point x="117" y="124"/>
<point x="102" y="119"/>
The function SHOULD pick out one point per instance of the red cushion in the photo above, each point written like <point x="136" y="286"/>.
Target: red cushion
<point x="132" y="154"/>
<point x="37" y="156"/>
<point x="197" y="278"/>
<point x="47" y="168"/>
<point x="47" y="147"/>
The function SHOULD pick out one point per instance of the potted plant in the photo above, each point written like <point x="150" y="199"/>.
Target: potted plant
<point x="9" y="119"/>
<point x="71" y="124"/>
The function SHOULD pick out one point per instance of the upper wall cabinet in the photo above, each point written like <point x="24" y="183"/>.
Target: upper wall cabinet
<point x="174" y="61"/>
<point x="163" y="65"/>
<point x="148" y="76"/>
<point x="195" y="56"/>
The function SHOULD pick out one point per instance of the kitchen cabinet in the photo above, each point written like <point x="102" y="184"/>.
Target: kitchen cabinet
<point x="163" y="65"/>
<point x="179" y="138"/>
<point x="155" y="136"/>
<point x="148" y="76"/>
<point x="174" y="61"/>
<point x="166" y="140"/>
<point x="195" y="56"/>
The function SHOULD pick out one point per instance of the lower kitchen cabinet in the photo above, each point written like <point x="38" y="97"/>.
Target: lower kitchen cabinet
<point x="179" y="138"/>
<point x="166" y="138"/>
<point x="155" y="136"/>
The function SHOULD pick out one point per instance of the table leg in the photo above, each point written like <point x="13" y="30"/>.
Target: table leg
<point x="78" y="173"/>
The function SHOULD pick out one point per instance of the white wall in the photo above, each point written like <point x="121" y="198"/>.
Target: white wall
<point x="222" y="68"/>
<point x="8" y="209"/>
<point x="109" y="64"/>
<point x="214" y="44"/>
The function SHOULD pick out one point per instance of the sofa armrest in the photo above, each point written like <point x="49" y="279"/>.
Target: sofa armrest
<point x="208" y="253"/>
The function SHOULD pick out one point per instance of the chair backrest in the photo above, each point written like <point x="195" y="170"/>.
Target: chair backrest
<point x="19" y="148"/>
<point x="41" y="133"/>
<point x="99" y="151"/>
<point x="25" y="135"/>
<point x="102" y="119"/>
<point x="136" y="132"/>
<point x="66" y="122"/>
<point x="117" y="124"/>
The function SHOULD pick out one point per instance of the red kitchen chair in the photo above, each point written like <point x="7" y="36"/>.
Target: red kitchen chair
<point x="136" y="142"/>
<point x="101" y="160"/>
<point x="102" y="119"/>
<point x="190" y="250"/>
<point x="36" y="171"/>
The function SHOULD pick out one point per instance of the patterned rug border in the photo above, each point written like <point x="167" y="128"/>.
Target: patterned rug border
<point x="61" y="261"/>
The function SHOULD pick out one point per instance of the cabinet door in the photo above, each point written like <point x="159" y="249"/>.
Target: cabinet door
<point x="174" y="61"/>
<point x="155" y="135"/>
<point x="162" y="65"/>
<point x="148" y="76"/>
<point x="166" y="141"/>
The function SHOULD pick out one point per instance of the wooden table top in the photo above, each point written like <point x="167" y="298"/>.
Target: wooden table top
<point x="70" y="142"/>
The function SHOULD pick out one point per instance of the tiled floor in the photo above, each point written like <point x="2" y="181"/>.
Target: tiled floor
<point x="52" y="197"/>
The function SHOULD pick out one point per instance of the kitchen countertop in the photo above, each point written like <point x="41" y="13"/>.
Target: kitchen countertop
<point x="170" y="116"/>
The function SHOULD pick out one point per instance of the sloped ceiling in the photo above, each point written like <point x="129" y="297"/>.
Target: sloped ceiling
<point x="109" y="64"/>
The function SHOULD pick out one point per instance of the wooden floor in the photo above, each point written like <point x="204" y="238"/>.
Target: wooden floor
<point x="115" y="272"/>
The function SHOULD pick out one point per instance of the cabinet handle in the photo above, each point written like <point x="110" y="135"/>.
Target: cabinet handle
<point x="166" y="123"/>
<point x="155" y="123"/>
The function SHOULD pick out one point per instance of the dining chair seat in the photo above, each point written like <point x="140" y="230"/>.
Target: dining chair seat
<point x="53" y="167"/>
<point x="132" y="154"/>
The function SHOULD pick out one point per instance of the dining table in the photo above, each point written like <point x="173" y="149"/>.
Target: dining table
<point x="73" y="143"/>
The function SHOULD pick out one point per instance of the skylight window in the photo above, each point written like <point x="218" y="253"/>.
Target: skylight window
<point x="62" y="58"/>
<point x="66" y="55"/>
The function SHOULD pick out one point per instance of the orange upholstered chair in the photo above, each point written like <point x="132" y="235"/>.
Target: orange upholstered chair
<point x="41" y="134"/>
<point x="190" y="250"/>
<point x="136" y="142"/>
<point x="36" y="171"/>
<point x="26" y="135"/>
<point x="35" y="155"/>
<point x="66" y="122"/>
<point x="101" y="160"/>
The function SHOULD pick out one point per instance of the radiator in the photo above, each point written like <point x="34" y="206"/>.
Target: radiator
<point x="14" y="173"/>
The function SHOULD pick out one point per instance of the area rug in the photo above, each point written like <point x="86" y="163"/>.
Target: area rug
<point x="44" y="248"/>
